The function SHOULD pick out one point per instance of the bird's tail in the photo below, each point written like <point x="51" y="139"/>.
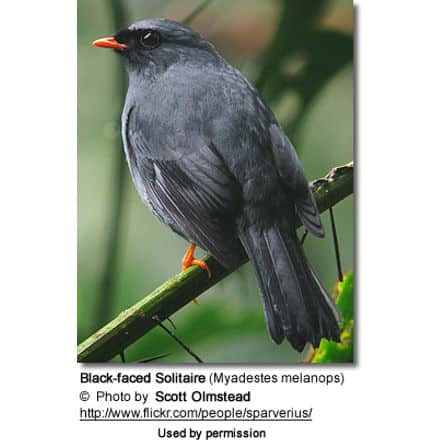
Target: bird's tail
<point x="297" y="307"/>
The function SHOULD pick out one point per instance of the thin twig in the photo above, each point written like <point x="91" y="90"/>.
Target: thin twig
<point x="303" y="238"/>
<point x="179" y="341"/>
<point x="172" y="323"/>
<point x="336" y="245"/>
<point x="196" y="11"/>
<point x="153" y="358"/>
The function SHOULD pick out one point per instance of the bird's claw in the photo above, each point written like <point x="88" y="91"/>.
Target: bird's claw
<point x="188" y="260"/>
<point x="202" y="264"/>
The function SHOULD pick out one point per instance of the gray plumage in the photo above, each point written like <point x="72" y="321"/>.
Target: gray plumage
<point x="210" y="160"/>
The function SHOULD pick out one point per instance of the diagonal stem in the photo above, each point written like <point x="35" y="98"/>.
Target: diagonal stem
<point x="336" y="246"/>
<point x="198" y="10"/>
<point x="178" y="340"/>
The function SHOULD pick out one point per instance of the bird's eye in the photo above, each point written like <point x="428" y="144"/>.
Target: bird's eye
<point x="150" y="39"/>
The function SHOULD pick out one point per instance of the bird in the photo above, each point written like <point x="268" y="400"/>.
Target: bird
<point x="209" y="158"/>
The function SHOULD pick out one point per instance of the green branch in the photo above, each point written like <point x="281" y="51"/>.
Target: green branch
<point x="171" y="296"/>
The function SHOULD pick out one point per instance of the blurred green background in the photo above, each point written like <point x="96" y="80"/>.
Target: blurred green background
<point x="299" y="54"/>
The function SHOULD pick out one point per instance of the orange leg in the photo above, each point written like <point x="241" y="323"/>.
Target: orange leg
<point x="188" y="260"/>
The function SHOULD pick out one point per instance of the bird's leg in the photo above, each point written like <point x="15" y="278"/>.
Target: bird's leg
<point x="188" y="260"/>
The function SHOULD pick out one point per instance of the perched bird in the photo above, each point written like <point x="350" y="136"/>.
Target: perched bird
<point x="210" y="160"/>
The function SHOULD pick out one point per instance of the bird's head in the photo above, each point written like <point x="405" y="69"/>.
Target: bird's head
<point x="158" y="43"/>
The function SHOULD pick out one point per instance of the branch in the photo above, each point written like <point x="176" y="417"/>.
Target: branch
<point x="171" y="296"/>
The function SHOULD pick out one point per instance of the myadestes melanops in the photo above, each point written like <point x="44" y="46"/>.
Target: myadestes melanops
<point x="209" y="158"/>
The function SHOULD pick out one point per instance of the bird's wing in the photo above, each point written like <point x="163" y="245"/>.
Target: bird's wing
<point x="292" y="174"/>
<point x="194" y="194"/>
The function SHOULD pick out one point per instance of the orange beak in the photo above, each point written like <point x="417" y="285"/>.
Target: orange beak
<point x="110" y="43"/>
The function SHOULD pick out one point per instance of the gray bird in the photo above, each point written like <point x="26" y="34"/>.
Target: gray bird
<point x="210" y="160"/>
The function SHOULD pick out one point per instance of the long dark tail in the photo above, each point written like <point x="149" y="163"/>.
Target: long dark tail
<point x="297" y="307"/>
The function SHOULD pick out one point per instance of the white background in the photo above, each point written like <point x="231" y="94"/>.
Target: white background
<point x="394" y="388"/>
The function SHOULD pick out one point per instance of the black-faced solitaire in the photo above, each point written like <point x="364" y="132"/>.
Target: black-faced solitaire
<point x="210" y="160"/>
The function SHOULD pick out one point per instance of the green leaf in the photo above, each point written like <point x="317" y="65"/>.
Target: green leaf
<point x="339" y="352"/>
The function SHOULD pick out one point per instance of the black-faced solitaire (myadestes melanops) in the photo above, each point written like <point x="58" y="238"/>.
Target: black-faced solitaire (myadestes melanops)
<point x="210" y="160"/>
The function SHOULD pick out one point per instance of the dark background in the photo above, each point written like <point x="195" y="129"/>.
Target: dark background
<point x="299" y="54"/>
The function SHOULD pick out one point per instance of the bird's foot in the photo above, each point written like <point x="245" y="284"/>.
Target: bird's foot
<point x="188" y="260"/>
